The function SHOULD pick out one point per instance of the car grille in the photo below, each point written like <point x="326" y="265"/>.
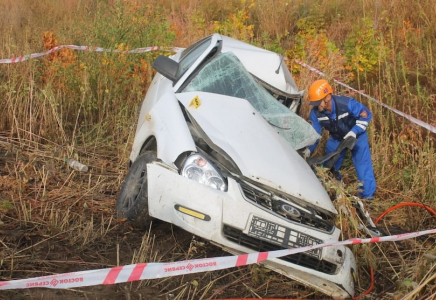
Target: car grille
<point x="314" y="218"/>
<point x="307" y="260"/>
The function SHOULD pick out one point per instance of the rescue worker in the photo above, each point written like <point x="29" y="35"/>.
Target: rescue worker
<point x="343" y="117"/>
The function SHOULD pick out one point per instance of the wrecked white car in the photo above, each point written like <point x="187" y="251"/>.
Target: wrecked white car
<point x="215" y="153"/>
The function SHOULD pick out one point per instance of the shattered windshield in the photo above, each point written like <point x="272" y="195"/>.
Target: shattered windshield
<point x="226" y="75"/>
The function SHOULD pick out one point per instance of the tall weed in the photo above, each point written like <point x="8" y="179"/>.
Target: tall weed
<point x="86" y="102"/>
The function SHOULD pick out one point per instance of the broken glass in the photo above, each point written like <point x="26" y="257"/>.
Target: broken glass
<point x="225" y="75"/>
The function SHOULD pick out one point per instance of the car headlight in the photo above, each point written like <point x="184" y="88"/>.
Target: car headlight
<point x="201" y="170"/>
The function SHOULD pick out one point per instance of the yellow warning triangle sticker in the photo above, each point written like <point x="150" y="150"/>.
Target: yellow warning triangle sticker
<point x="195" y="102"/>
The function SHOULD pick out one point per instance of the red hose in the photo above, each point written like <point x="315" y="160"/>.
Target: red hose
<point x="401" y="205"/>
<point x="378" y="220"/>
<point x="370" y="287"/>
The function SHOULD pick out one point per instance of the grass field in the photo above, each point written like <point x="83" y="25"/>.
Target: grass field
<point x="83" y="104"/>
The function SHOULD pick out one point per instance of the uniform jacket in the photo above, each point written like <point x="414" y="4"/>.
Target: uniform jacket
<point x="347" y="115"/>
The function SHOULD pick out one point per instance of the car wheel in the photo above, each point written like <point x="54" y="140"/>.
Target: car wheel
<point x="132" y="202"/>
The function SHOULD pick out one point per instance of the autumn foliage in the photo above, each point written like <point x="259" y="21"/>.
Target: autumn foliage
<point x="84" y="104"/>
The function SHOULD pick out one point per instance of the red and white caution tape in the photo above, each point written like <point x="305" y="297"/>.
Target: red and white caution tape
<point x="408" y="117"/>
<point x="86" y="48"/>
<point x="143" y="271"/>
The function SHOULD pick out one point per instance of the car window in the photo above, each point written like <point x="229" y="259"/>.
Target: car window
<point x="225" y="75"/>
<point x="191" y="54"/>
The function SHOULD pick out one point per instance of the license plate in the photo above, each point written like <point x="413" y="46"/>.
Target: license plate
<point x="283" y="236"/>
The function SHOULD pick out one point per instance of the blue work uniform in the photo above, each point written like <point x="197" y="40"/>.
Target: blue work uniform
<point x="348" y="115"/>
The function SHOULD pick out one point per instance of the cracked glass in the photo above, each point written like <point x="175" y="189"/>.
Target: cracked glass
<point x="225" y="75"/>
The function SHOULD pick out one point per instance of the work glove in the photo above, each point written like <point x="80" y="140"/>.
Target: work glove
<point x="306" y="153"/>
<point x="350" y="133"/>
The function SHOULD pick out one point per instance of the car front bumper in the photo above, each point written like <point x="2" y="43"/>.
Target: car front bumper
<point x="229" y="220"/>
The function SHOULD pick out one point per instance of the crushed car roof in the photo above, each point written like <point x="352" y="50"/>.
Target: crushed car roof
<point x="269" y="66"/>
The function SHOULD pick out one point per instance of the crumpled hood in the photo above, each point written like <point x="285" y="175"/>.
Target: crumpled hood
<point x="260" y="153"/>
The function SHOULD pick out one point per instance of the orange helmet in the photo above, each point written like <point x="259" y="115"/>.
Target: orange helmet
<point x="318" y="90"/>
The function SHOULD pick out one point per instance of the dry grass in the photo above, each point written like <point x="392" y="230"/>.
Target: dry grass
<point x="65" y="223"/>
<point x="57" y="206"/>
<point x="85" y="107"/>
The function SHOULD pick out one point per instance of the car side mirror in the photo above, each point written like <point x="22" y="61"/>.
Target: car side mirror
<point x="167" y="67"/>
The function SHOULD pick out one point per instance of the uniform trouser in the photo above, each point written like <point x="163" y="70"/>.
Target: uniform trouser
<point x="361" y="156"/>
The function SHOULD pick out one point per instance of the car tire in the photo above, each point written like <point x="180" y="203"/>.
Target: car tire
<point x="132" y="202"/>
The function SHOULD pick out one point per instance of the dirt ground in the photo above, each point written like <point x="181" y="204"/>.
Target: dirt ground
<point x="54" y="220"/>
<point x="58" y="256"/>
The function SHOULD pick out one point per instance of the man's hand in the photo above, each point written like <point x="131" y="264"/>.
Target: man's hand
<point x="350" y="133"/>
<point x="306" y="153"/>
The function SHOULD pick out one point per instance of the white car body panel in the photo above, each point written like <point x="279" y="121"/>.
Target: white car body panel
<point x="152" y="97"/>
<point x="167" y="189"/>
<point x="269" y="66"/>
<point x="236" y="127"/>
<point x="166" y="123"/>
